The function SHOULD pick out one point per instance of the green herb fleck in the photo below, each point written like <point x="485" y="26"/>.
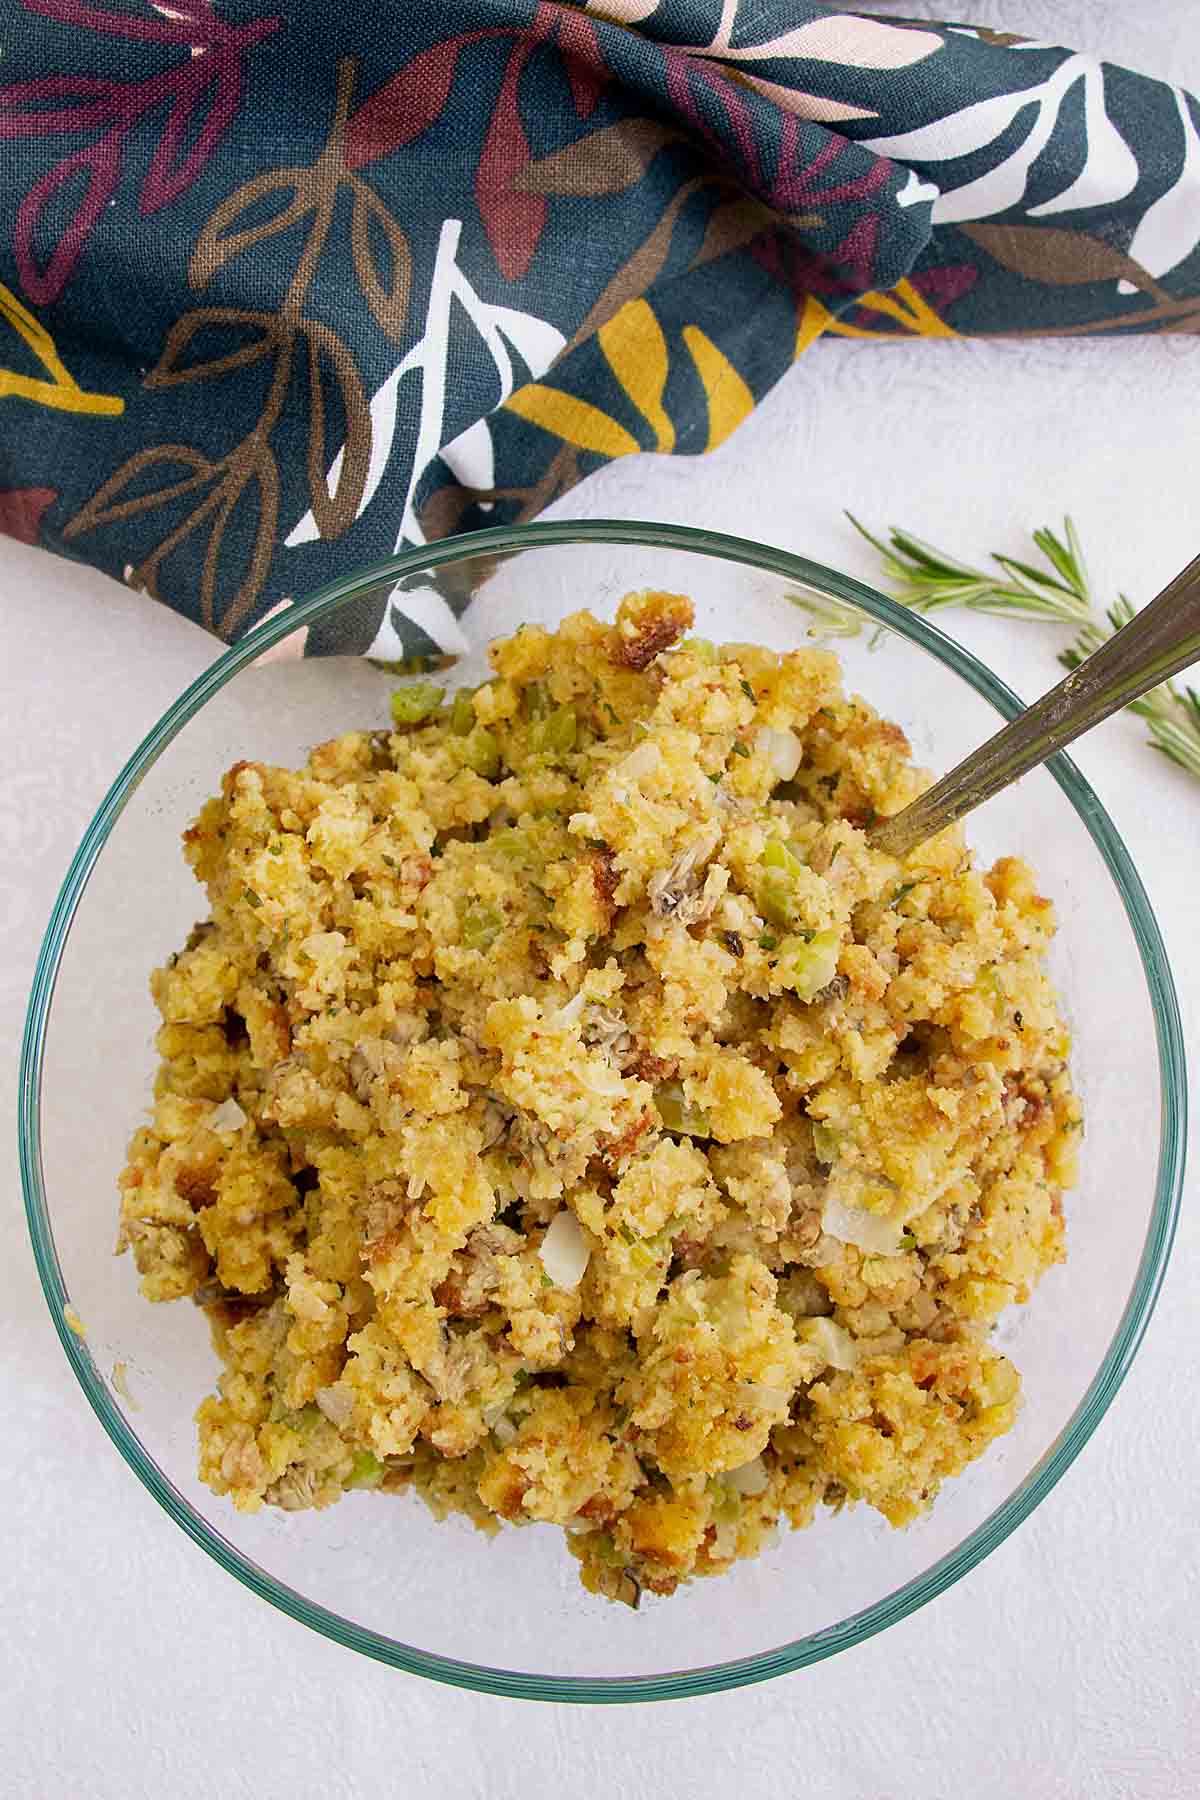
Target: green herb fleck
<point x="767" y="941"/>
<point x="901" y="893"/>
<point x="748" y="691"/>
<point x="249" y="895"/>
<point x="740" y="749"/>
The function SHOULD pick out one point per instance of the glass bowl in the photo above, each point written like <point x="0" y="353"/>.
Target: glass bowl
<point x="440" y="1600"/>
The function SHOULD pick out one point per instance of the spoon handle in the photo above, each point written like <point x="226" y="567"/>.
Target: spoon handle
<point x="1159" y="641"/>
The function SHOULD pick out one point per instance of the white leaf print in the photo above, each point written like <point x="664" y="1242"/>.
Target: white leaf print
<point x="1110" y="172"/>
<point x="959" y="133"/>
<point x="471" y="458"/>
<point x="1170" y="227"/>
<point x="915" y="191"/>
<point x="536" y="340"/>
<point x="426" y="608"/>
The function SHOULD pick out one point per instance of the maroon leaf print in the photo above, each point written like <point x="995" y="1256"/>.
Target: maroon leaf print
<point x="213" y="69"/>
<point x="797" y="188"/>
<point x="942" y="287"/>
<point x="103" y="160"/>
<point x="167" y="178"/>
<point x="856" y="252"/>
<point x="190" y="16"/>
<point x="513" y="219"/>
<point x="406" y="105"/>
<point x="22" y="510"/>
<point x="584" y="61"/>
<point x="682" y="70"/>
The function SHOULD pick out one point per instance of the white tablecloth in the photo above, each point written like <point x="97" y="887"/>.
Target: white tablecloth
<point x="1067" y="1664"/>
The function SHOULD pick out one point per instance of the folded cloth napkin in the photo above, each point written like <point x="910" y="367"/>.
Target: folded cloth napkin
<point x="285" y="287"/>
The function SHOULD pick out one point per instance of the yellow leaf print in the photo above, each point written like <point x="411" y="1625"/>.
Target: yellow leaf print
<point x="62" y="391"/>
<point x="729" y="399"/>
<point x="814" y="320"/>
<point x="636" y="351"/>
<point x="635" y="348"/>
<point x="904" y="303"/>
<point x="577" y="421"/>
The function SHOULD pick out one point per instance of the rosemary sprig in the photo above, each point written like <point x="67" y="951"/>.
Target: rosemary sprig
<point x="927" y="579"/>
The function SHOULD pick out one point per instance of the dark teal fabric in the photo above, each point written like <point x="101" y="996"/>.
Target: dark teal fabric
<point x="285" y="286"/>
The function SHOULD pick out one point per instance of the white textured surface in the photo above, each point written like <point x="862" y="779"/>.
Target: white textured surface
<point x="1067" y="1665"/>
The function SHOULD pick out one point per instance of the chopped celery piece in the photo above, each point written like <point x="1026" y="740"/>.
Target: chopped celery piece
<point x="825" y="1142"/>
<point x="779" y="855"/>
<point x="535" y="701"/>
<point x="366" y="1471"/>
<point x="413" y="703"/>
<point x="676" y="1114"/>
<point x="483" y="753"/>
<point x="726" y="1502"/>
<point x="556" y="732"/>
<point x="777" y="897"/>
<point x="480" y="925"/>
<point x="648" y="1253"/>
<point x="807" y="967"/>
<point x="703" y="649"/>
<point x="462" y="713"/>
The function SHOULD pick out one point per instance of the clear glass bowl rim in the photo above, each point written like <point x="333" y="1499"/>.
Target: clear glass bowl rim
<point x="1112" y="1371"/>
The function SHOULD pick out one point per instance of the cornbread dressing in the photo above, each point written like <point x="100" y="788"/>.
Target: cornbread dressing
<point x="565" y="1114"/>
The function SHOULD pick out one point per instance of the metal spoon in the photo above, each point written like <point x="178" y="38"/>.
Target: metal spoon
<point x="1162" y="639"/>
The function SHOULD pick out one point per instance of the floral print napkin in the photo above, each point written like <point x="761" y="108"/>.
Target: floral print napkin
<point x="285" y="287"/>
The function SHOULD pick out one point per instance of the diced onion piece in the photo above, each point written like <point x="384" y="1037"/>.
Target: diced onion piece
<point x="337" y="1404"/>
<point x="564" y="1250"/>
<point x="832" y="1342"/>
<point x="642" y="761"/>
<point x="782" y="749"/>
<point x="504" y="1431"/>
<point x="751" y="1478"/>
<point x="569" y="1014"/>
<point x="227" y="1117"/>
<point x="866" y="1230"/>
<point x="758" y="1393"/>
